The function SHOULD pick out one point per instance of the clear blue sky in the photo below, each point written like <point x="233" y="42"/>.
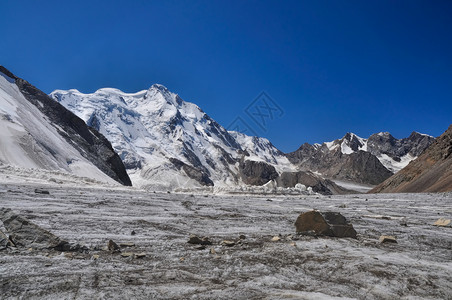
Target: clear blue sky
<point x="331" y="66"/>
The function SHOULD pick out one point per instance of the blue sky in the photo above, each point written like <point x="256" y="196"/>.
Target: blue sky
<point x="329" y="66"/>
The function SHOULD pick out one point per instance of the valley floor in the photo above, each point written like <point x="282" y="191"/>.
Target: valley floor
<point x="419" y="266"/>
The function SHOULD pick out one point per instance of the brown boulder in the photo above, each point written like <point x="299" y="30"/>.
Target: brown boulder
<point x="442" y="222"/>
<point x="324" y="224"/>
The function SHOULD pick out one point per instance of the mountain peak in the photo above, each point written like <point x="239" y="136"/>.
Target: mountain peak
<point x="159" y="87"/>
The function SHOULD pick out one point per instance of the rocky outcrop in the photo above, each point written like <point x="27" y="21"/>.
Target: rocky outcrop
<point x="309" y="179"/>
<point x="86" y="140"/>
<point x="385" y="143"/>
<point x="23" y="233"/>
<point x="430" y="172"/>
<point x="256" y="172"/>
<point x="324" y="224"/>
<point x="359" y="166"/>
<point x="200" y="176"/>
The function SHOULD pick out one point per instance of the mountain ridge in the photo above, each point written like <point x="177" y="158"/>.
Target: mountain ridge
<point x="158" y="135"/>
<point x="430" y="172"/>
<point x="43" y="129"/>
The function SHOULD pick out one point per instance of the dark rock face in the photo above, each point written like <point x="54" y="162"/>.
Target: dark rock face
<point x="385" y="143"/>
<point x="358" y="166"/>
<point x="324" y="224"/>
<point x="192" y="172"/>
<point x="318" y="184"/>
<point x="430" y="172"/>
<point x="362" y="165"/>
<point x="87" y="140"/>
<point x="256" y="172"/>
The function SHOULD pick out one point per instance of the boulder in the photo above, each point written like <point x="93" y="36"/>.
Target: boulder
<point x="112" y="246"/>
<point x="442" y="222"/>
<point x="42" y="191"/>
<point x="275" y="238"/>
<point x="194" y="239"/>
<point x="228" y="243"/>
<point x="26" y="234"/>
<point x="387" y="239"/>
<point x="324" y="224"/>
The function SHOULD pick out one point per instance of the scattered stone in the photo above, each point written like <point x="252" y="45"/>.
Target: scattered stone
<point x="182" y="259"/>
<point x="140" y="255"/>
<point x="228" y="243"/>
<point x="387" y="239"/>
<point x="442" y="222"/>
<point x="127" y="244"/>
<point x="242" y="237"/>
<point x="212" y="251"/>
<point x="95" y="257"/>
<point x="200" y="247"/>
<point x="48" y="265"/>
<point x="275" y="239"/>
<point x="112" y="246"/>
<point x="127" y="254"/>
<point x="343" y="205"/>
<point x="324" y="224"/>
<point x="194" y="239"/>
<point x="293" y="244"/>
<point x="133" y="232"/>
<point x="42" y="191"/>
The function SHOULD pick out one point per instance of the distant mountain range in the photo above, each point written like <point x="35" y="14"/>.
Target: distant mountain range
<point x="430" y="172"/>
<point x="369" y="161"/>
<point x="165" y="143"/>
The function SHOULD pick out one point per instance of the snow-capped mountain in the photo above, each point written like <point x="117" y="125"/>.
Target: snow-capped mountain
<point x="393" y="153"/>
<point x="430" y="172"/>
<point x="354" y="158"/>
<point x="38" y="133"/>
<point x="166" y="142"/>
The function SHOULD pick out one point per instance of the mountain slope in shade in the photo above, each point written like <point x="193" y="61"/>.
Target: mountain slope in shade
<point x="353" y="158"/>
<point x="169" y="143"/>
<point x="430" y="172"/>
<point x="37" y="132"/>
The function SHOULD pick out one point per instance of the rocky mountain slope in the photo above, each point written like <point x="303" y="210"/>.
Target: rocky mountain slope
<point x="37" y="132"/>
<point x="168" y="143"/>
<point x="430" y="172"/>
<point x="353" y="158"/>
